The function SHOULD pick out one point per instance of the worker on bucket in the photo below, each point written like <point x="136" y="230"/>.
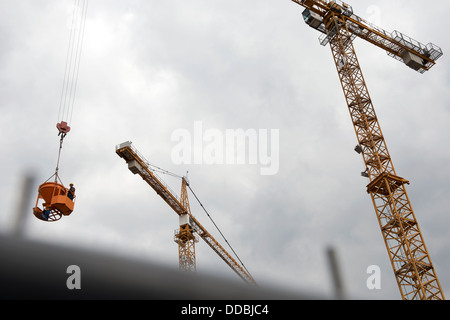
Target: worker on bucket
<point x="45" y="214"/>
<point x="71" y="193"/>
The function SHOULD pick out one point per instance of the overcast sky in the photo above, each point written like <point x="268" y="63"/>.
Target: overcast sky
<point x="150" y="68"/>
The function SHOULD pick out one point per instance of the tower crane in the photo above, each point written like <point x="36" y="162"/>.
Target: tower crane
<point x="339" y="26"/>
<point x="186" y="235"/>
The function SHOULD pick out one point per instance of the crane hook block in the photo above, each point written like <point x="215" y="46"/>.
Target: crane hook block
<point x="53" y="201"/>
<point x="63" y="127"/>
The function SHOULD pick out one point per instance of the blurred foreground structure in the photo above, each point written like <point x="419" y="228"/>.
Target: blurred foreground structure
<point x="33" y="269"/>
<point x="36" y="270"/>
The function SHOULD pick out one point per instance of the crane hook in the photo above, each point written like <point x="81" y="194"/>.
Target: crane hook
<point x="64" y="129"/>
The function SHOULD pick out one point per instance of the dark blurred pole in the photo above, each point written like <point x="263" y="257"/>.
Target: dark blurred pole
<point x="23" y="208"/>
<point x="336" y="274"/>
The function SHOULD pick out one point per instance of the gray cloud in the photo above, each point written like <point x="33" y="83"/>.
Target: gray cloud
<point x="151" y="67"/>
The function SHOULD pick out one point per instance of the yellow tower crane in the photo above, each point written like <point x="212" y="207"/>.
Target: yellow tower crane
<point x="186" y="235"/>
<point x="339" y="26"/>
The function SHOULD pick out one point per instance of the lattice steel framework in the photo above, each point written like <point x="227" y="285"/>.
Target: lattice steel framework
<point x="413" y="269"/>
<point x="185" y="236"/>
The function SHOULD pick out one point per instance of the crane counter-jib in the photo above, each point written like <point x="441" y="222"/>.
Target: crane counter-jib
<point x="138" y="165"/>
<point x="318" y="15"/>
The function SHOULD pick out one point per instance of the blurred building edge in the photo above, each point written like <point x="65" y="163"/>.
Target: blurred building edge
<point x="36" y="270"/>
<point x="338" y="284"/>
<point x="23" y="208"/>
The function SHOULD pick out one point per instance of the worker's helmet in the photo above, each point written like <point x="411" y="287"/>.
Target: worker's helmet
<point x="71" y="184"/>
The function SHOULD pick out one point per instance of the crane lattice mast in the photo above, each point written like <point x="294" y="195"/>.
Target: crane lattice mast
<point x="186" y="236"/>
<point x="413" y="269"/>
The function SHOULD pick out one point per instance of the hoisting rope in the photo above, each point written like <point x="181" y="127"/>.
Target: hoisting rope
<point x="63" y="135"/>
<point x="209" y="216"/>
<point x="155" y="168"/>
<point x="70" y="82"/>
<point x="76" y="40"/>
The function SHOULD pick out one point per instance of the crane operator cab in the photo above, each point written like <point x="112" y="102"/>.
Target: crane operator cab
<point x="314" y="20"/>
<point x="54" y="201"/>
